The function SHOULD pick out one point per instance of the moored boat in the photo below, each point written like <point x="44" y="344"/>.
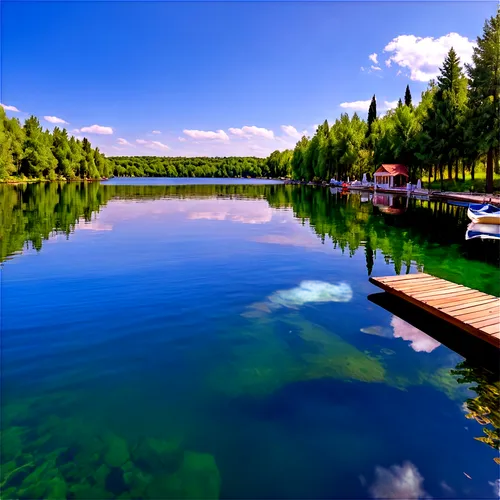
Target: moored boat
<point x="483" y="213"/>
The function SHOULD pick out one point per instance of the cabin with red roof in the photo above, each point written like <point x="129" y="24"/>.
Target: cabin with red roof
<point x="391" y="175"/>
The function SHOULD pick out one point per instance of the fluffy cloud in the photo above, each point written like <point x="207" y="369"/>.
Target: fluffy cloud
<point x="390" y="105"/>
<point x="293" y="132"/>
<point x="356" y="105"/>
<point x="159" y="145"/>
<point x="97" y="129"/>
<point x="373" y="58"/>
<point x="9" y="108"/>
<point x="252" y="131"/>
<point x="152" y="144"/>
<point x="207" y="134"/>
<point x="124" y="142"/>
<point x="54" y="119"/>
<point x="424" y="55"/>
<point x="156" y="132"/>
<point x="364" y="105"/>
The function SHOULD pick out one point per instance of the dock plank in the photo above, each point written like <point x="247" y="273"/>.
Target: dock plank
<point x="470" y="310"/>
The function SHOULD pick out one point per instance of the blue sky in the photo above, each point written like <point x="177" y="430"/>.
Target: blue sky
<point x="220" y="78"/>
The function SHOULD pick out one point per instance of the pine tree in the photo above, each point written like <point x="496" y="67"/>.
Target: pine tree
<point x="400" y="103"/>
<point x="450" y="105"/>
<point x="372" y="114"/>
<point x="408" y="97"/>
<point x="484" y="94"/>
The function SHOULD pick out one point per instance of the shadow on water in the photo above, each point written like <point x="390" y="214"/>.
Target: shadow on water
<point x="481" y="366"/>
<point x="476" y="351"/>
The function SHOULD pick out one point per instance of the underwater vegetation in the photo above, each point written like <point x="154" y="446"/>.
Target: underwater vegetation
<point x="285" y="349"/>
<point x="63" y="458"/>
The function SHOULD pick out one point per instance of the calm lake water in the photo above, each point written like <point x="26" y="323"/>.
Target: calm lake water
<point x="189" y="340"/>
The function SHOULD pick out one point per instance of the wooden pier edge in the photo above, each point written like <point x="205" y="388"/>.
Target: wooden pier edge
<point x="474" y="312"/>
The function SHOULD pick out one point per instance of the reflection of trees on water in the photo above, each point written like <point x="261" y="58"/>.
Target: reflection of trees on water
<point x="427" y="233"/>
<point x="485" y="407"/>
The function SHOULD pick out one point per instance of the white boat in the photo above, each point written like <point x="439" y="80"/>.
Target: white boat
<point x="483" y="231"/>
<point x="483" y="213"/>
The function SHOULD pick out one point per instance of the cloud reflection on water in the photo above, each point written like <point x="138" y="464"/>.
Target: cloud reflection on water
<point x="420" y="341"/>
<point x="398" y="482"/>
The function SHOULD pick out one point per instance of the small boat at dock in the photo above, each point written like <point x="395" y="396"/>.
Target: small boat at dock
<point x="483" y="213"/>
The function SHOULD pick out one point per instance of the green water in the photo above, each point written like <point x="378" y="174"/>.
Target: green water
<point x="201" y="340"/>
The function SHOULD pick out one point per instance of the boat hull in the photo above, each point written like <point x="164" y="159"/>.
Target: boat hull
<point x="483" y="231"/>
<point x="483" y="214"/>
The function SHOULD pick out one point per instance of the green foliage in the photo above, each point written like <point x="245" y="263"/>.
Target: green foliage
<point x="408" y="97"/>
<point x="484" y="95"/>
<point x="277" y="165"/>
<point x="372" y="113"/>
<point x="30" y="153"/>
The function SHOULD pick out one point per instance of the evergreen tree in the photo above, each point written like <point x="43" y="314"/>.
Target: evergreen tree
<point x="38" y="160"/>
<point x="372" y="114"/>
<point x="400" y="103"/>
<point x="450" y="106"/>
<point x="408" y="97"/>
<point x="484" y="94"/>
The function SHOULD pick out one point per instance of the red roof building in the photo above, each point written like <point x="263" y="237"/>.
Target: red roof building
<point x="391" y="175"/>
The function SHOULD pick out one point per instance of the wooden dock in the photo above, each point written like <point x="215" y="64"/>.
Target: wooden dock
<point x="470" y="310"/>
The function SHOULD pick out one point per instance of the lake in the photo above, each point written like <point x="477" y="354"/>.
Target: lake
<point x="184" y="339"/>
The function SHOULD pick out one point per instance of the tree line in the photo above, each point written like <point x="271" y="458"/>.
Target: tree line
<point x="453" y="129"/>
<point x="154" y="166"/>
<point x="29" y="152"/>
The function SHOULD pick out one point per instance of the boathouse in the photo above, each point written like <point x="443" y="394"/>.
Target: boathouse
<point x="391" y="176"/>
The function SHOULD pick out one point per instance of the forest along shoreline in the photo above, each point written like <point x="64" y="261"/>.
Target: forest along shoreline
<point x="448" y="140"/>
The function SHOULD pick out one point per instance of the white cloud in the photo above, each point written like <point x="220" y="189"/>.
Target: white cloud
<point x="124" y="142"/>
<point x="356" y="105"/>
<point x="54" y="119"/>
<point x="76" y="131"/>
<point x="156" y="132"/>
<point x="159" y="145"/>
<point x="390" y="105"/>
<point x="9" y="108"/>
<point x="423" y="56"/>
<point x="496" y="487"/>
<point x="364" y="105"/>
<point x="293" y="132"/>
<point x="97" y="129"/>
<point x="362" y="68"/>
<point x="252" y="131"/>
<point x="182" y="139"/>
<point x="153" y="144"/>
<point x="373" y="58"/>
<point x="376" y="68"/>
<point x="207" y="134"/>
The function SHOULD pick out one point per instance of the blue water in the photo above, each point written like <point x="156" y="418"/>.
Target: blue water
<point x="183" y="317"/>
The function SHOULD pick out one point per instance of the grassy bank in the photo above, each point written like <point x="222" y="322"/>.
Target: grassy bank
<point x="478" y="185"/>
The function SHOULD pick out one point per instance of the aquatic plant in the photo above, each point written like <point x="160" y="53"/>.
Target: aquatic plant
<point x="290" y="349"/>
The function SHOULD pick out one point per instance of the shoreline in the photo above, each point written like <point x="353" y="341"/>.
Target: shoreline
<point x="475" y="197"/>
